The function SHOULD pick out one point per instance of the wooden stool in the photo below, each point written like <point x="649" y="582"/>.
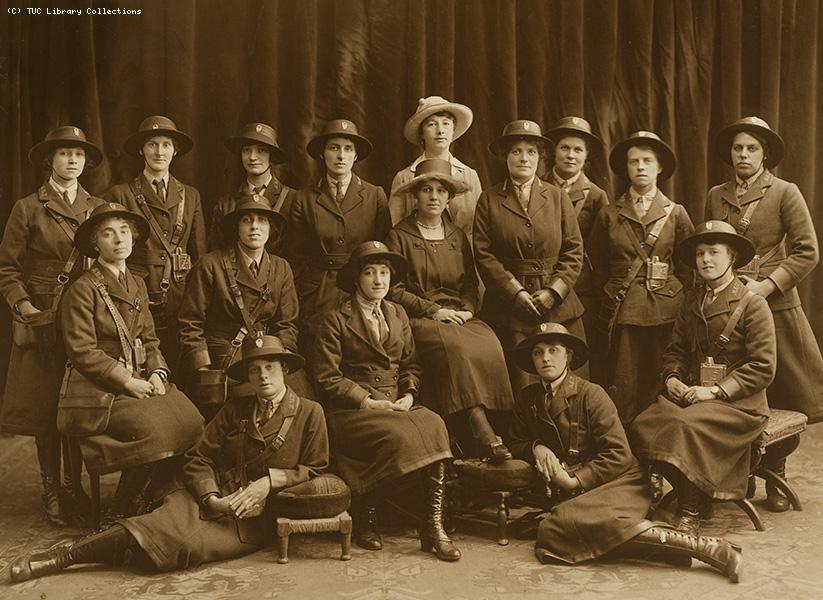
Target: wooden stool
<point x="72" y="447"/>
<point x="340" y="523"/>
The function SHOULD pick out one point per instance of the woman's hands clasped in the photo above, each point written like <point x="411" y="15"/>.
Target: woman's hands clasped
<point x="552" y="470"/>
<point x="140" y="388"/>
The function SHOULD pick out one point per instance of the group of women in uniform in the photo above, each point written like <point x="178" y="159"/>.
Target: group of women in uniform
<point x="442" y="305"/>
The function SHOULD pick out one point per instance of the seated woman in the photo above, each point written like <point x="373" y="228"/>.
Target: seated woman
<point x="234" y="292"/>
<point x="367" y="371"/>
<point x="716" y="369"/>
<point x="224" y="511"/>
<point x="138" y="418"/>
<point x="465" y="370"/>
<point x="569" y="429"/>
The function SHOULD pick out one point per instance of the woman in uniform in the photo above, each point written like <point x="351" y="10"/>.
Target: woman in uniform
<point x="37" y="260"/>
<point x="116" y="399"/>
<point x="223" y="512"/>
<point x="773" y="214"/>
<point x="631" y="248"/>
<point x="569" y="430"/>
<point x="574" y="144"/>
<point x="366" y="367"/>
<point x="527" y="246"/>
<point x="434" y="126"/>
<point x="463" y="362"/>
<point x="716" y="369"/>
<point x="329" y="220"/>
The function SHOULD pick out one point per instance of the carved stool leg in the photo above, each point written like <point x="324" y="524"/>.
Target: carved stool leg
<point x="94" y="483"/>
<point x="345" y="534"/>
<point x="502" y="520"/>
<point x="283" y="545"/>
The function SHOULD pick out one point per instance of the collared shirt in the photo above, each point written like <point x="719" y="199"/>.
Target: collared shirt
<point x="523" y="191"/>
<point x="743" y="185"/>
<point x="151" y="178"/>
<point x="712" y="294"/>
<point x="371" y="314"/>
<point x="71" y="190"/>
<point x="646" y="202"/>
<point x="344" y="184"/>
<point x="266" y="407"/>
<point x="257" y="257"/>
<point x="565" y="184"/>
<point x="261" y="188"/>
<point x="554" y="385"/>
<point x="115" y="270"/>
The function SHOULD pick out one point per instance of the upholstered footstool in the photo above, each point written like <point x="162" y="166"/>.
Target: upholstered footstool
<point x="315" y="506"/>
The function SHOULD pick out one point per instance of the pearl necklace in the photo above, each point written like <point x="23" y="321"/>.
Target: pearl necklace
<point x="429" y="227"/>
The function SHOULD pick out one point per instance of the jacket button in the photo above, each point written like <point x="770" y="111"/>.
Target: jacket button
<point x="377" y="378"/>
<point x="395" y="377"/>
<point x="528" y="224"/>
<point x="163" y="257"/>
<point x="165" y="232"/>
<point x="331" y="262"/>
<point x="340" y="219"/>
<point x="529" y="245"/>
<point x="340" y="242"/>
<point x="535" y="268"/>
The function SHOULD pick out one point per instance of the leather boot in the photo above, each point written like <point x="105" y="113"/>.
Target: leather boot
<point x="491" y="445"/>
<point x="433" y="537"/>
<point x="76" y="504"/>
<point x="130" y="498"/>
<point x="720" y="554"/>
<point x="689" y="503"/>
<point x="775" y="500"/>
<point x="655" y="484"/>
<point x="365" y="528"/>
<point x="48" y="455"/>
<point x="107" y="546"/>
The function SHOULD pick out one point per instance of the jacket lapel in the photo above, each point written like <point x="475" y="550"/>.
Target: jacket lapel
<point x="82" y="205"/>
<point x="149" y="193"/>
<point x="325" y="199"/>
<point x="509" y="199"/>
<point x="357" y="325"/>
<point x="722" y="304"/>
<point x="757" y="189"/>
<point x="354" y="195"/>
<point x="657" y="209"/>
<point x="579" y="190"/>
<point x="49" y="196"/>
<point x="727" y="193"/>
<point x="626" y="210"/>
<point x="174" y="194"/>
<point x="539" y="197"/>
<point x="243" y="275"/>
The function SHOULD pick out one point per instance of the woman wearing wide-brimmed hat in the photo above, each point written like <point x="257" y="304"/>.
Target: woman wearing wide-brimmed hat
<point x="213" y="318"/>
<point x="256" y="147"/>
<point x="527" y="246"/>
<point x="327" y="221"/>
<point x="773" y="214"/>
<point x="368" y="374"/>
<point x="177" y="232"/>
<point x="116" y="398"/>
<point x="721" y="358"/>
<point x="574" y="144"/>
<point x="238" y="478"/>
<point x="462" y="358"/>
<point x="631" y="248"/>
<point x="37" y="260"/>
<point x="569" y="430"/>
<point x="435" y="124"/>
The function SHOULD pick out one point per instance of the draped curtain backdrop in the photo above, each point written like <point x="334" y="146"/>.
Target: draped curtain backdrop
<point x="680" y="68"/>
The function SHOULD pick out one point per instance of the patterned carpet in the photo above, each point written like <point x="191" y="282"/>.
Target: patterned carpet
<point x="784" y="562"/>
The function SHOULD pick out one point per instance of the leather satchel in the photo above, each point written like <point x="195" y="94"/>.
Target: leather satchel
<point x="83" y="409"/>
<point x="34" y="331"/>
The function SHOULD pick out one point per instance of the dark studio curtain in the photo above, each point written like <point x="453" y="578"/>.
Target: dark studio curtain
<point x="680" y="68"/>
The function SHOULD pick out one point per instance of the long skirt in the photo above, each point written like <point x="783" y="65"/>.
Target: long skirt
<point x="633" y="367"/>
<point x="597" y="521"/>
<point x="798" y="382"/>
<point x="463" y="366"/>
<point x="143" y="430"/>
<point x="708" y="442"/>
<point x="372" y="447"/>
<point x="174" y="536"/>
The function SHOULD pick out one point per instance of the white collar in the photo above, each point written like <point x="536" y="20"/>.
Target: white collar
<point x="366" y="304"/>
<point x="112" y="267"/>
<point x="151" y="178"/>
<point x="344" y="182"/>
<point x="256" y="257"/>
<point x="716" y="291"/>
<point x="266" y="184"/>
<point x="72" y="189"/>
<point x="649" y="196"/>
<point x="751" y="179"/>
<point x="554" y="385"/>
<point x="566" y="182"/>
<point x="275" y="401"/>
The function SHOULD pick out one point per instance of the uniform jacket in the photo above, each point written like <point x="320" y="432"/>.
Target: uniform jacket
<point x="587" y="199"/>
<point x="349" y="365"/>
<point x="151" y="258"/>
<point x="225" y="205"/>
<point x="782" y="211"/>
<point x="461" y="207"/>
<point x="322" y="236"/>
<point x="604" y="452"/>
<point x="504" y="232"/>
<point x="440" y="274"/>
<point x="612" y="252"/>
<point x="209" y="316"/>
<point x="750" y="355"/>
<point x="233" y="438"/>
<point x="92" y="343"/>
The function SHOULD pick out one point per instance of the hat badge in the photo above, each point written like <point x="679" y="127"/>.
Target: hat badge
<point x="258" y="342"/>
<point x="709" y="225"/>
<point x="526" y="125"/>
<point x="344" y="124"/>
<point x="376" y="244"/>
<point x="256" y="197"/>
<point x="544" y="327"/>
<point x="155" y="126"/>
<point x="76" y="131"/>
<point x="575" y="121"/>
<point x="258" y="128"/>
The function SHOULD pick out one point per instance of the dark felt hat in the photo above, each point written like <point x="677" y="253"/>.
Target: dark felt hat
<point x="339" y="128"/>
<point x="251" y="203"/>
<point x="713" y="232"/>
<point x="365" y="253"/>
<point x="434" y="168"/>
<point x="107" y="210"/>
<point x="550" y="332"/>
<point x="263" y="347"/>
<point x="67" y="136"/>
<point x="577" y="127"/>
<point x="665" y="155"/>
<point x="157" y="125"/>
<point x="724" y="139"/>
<point x="257" y="133"/>
<point x="522" y="129"/>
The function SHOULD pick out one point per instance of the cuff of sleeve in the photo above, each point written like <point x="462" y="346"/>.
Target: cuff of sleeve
<point x="585" y="477"/>
<point x="782" y="279"/>
<point x="730" y="387"/>
<point x="357" y="395"/>
<point x="16" y="295"/>
<point x="513" y="286"/>
<point x="119" y="376"/>
<point x="203" y="487"/>
<point x="199" y="358"/>
<point x="560" y="288"/>
<point x="164" y="374"/>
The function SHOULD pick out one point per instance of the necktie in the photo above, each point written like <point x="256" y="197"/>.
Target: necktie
<point x="522" y="196"/>
<point x="160" y="187"/>
<point x="258" y="189"/>
<point x="742" y="188"/>
<point x="339" y="196"/>
<point x="640" y="206"/>
<point x="121" y="277"/>
<point x="254" y="268"/>
<point x="709" y="298"/>
<point x="66" y="197"/>
<point x="382" y="327"/>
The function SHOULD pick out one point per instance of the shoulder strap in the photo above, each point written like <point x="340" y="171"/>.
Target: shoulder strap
<point x="179" y="226"/>
<point x="291" y="401"/>
<point x="229" y="259"/>
<point x="734" y="319"/>
<point x="281" y="199"/>
<point x="651" y="238"/>
<point x="126" y="338"/>
<point x="746" y="220"/>
<point x="140" y="198"/>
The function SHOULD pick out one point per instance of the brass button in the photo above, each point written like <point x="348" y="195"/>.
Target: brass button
<point x="528" y="224"/>
<point x="377" y="378"/>
<point x="340" y="242"/>
<point x="535" y="268"/>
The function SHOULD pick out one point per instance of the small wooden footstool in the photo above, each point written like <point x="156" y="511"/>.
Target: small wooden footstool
<point x="340" y="523"/>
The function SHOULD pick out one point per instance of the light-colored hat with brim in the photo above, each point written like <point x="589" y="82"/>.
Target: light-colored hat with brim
<point x="257" y="133"/>
<point x="715" y="232"/>
<point x="263" y="347"/>
<point x="339" y="128"/>
<point x="724" y="139"/>
<point x="108" y="210"/>
<point x="550" y="333"/>
<point x="67" y="136"/>
<point x="426" y="107"/>
<point x="665" y="155"/>
<point x="522" y="129"/>
<point x="434" y="168"/>
<point x="576" y="127"/>
<point x="366" y="253"/>
<point x="153" y="126"/>
<point x="251" y="203"/>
